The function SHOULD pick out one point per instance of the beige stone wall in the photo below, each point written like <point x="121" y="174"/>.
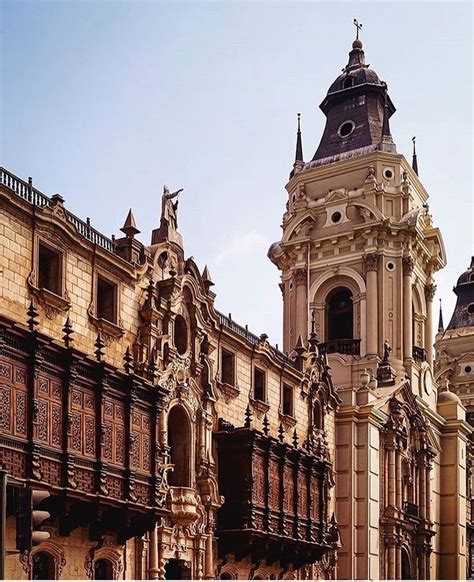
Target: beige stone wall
<point x="75" y="549"/>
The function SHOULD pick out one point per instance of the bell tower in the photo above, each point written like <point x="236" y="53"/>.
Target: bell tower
<point x="359" y="249"/>
<point x="358" y="255"/>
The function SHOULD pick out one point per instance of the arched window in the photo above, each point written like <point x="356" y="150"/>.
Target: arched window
<point x="43" y="566"/>
<point x="103" y="570"/>
<point x="317" y="416"/>
<point x="348" y="82"/>
<point x="340" y="314"/>
<point x="226" y="576"/>
<point x="179" y="441"/>
<point x="406" y="567"/>
<point x="180" y="334"/>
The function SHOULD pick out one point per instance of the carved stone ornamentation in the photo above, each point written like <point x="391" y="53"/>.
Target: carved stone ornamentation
<point x="430" y="291"/>
<point x="408" y="265"/>
<point x="300" y="276"/>
<point x="371" y="262"/>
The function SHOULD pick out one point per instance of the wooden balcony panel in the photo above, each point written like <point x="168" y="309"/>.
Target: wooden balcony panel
<point x="80" y="428"/>
<point x="274" y="498"/>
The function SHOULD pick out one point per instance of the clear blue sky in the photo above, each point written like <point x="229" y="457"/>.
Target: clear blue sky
<point x="105" y="101"/>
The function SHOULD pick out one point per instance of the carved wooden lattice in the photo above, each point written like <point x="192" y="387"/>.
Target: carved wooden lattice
<point x="13" y="399"/>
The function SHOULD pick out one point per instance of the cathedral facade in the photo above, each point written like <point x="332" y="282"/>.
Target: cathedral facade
<point x="146" y="435"/>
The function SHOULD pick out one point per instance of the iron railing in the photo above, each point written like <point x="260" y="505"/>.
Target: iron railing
<point x="411" y="509"/>
<point x="244" y="332"/>
<point x="26" y="191"/>
<point x="348" y="347"/>
<point x="419" y="354"/>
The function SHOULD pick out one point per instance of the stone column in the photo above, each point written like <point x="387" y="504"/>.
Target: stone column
<point x="153" y="554"/>
<point x="391" y="559"/>
<point x="408" y="265"/>
<point x="398" y="563"/>
<point x="422" y="476"/>
<point x="430" y="291"/>
<point x="391" y="476"/>
<point x="428" y="491"/>
<point x="209" y="573"/>
<point x="399" y="478"/>
<point x="301" y="326"/>
<point x="371" y="265"/>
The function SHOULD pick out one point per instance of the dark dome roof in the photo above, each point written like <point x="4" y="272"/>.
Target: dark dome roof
<point x="467" y="276"/>
<point x="463" y="315"/>
<point x="359" y="76"/>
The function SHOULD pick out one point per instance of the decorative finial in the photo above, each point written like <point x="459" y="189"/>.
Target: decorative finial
<point x="100" y="345"/>
<point x="281" y="433"/>
<point x="266" y="425"/>
<point x="299" y="144"/>
<point x="152" y="367"/>
<point x="248" y="417"/>
<point x="68" y="331"/>
<point x="295" y="439"/>
<point x="387" y="140"/>
<point x="130" y="226"/>
<point x="32" y="315"/>
<point x="414" y="163"/>
<point x="128" y="361"/>
<point x="206" y="279"/>
<point x="440" y="321"/>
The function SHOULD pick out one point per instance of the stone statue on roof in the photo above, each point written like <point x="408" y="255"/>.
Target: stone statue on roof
<point x="169" y="209"/>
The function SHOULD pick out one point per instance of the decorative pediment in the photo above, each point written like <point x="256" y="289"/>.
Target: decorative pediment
<point x="339" y="195"/>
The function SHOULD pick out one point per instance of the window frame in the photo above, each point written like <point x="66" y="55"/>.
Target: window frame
<point x="228" y="353"/>
<point x="110" y="281"/>
<point x="42" y="243"/>
<point x="256" y="370"/>
<point x="291" y="413"/>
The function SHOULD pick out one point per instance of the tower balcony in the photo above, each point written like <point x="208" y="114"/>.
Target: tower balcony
<point x="419" y="354"/>
<point x="348" y="347"/>
<point x="276" y="499"/>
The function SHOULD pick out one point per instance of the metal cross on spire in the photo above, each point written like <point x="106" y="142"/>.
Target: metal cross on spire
<point x="358" y="27"/>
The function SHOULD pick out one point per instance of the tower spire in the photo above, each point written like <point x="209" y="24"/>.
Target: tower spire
<point x="387" y="141"/>
<point x="440" y="321"/>
<point x="414" y="163"/>
<point x="299" y="145"/>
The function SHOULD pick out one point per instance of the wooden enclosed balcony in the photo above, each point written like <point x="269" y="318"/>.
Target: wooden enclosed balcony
<point x="275" y="499"/>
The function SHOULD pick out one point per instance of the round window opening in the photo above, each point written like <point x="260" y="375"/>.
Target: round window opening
<point x="336" y="217"/>
<point x="180" y="334"/>
<point x="470" y="308"/>
<point x="346" y="129"/>
<point x="390" y="266"/>
<point x="388" y="174"/>
<point x="468" y="369"/>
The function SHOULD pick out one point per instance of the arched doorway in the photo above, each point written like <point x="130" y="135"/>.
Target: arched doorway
<point x="103" y="570"/>
<point x="406" y="567"/>
<point x="177" y="570"/>
<point x="340" y="315"/>
<point x="179" y="441"/>
<point x="43" y="566"/>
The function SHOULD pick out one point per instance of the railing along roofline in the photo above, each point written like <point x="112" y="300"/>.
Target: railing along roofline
<point x="26" y="191"/>
<point x="252" y="338"/>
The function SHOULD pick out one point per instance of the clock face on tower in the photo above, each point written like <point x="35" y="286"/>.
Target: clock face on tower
<point x="428" y="381"/>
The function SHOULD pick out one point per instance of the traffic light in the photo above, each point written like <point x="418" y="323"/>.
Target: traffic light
<point x="30" y="517"/>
